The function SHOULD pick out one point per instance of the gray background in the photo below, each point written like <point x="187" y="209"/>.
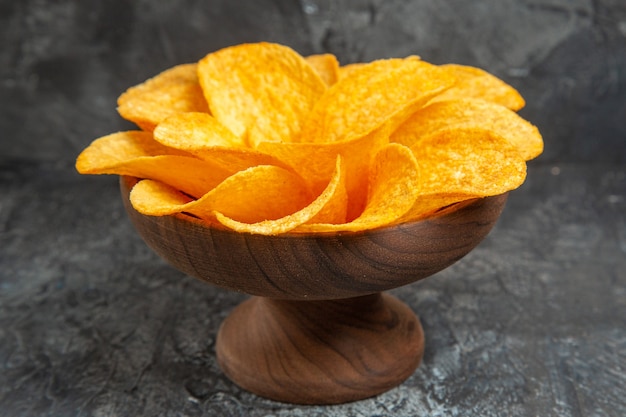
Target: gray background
<point x="533" y="322"/>
<point x="67" y="61"/>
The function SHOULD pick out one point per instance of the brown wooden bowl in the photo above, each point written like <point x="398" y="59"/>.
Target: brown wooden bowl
<point x="319" y="331"/>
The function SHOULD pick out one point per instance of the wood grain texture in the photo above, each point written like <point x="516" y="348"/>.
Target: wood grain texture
<point x="321" y="332"/>
<point x="320" y="352"/>
<point x="318" y="266"/>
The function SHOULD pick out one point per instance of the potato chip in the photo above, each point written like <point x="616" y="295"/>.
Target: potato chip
<point x="468" y="160"/>
<point x="136" y="154"/>
<point x="315" y="162"/>
<point x="172" y="91"/>
<point x="345" y="70"/>
<point x="393" y="187"/>
<point x="189" y="131"/>
<point x="471" y="113"/>
<point x="260" y="92"/>
<point x="326" y="65"/>
<point x="375" y="94"/>
<point x="428" y="204"/>
<point x="329" y="207"/>
<point x="124" y="145"/>
<point x="474" y="82"/>
<point x="461" y="163"/>
<point x="250" y="196"/>
<point x="202" y="135"/>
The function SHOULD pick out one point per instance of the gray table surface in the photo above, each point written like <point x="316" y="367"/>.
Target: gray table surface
<point x="92" y="323"/>
<point x="531" y="323"/>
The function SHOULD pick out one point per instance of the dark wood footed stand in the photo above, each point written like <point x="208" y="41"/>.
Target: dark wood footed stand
<point x="320" y="352"/>
<point x="320" y="328"/>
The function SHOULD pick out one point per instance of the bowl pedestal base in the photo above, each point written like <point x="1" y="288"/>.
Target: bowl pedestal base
<point x="320" y="352"/>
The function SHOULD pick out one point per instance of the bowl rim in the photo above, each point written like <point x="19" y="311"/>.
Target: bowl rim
<point x="329" y="265"/>
<point x="127" y="182"/>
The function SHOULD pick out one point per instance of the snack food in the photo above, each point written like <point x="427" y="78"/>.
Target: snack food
<point x="260" y="139"/>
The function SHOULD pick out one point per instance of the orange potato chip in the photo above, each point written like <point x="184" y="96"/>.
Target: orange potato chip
<point x="262" y="97"/>
<point x="471" y="113"/>
<point x="429" y="204"/>
<point x="345" y="70"/>
<point x="379" y="93"/>
<point x="315" y="162"/>
<point x="326" y="65"/>
<point x="202" y="135"/>
<point x="124" y="145"/>
<point x="461" y="163"/>
<point x="172" y="91"/>
<point x="393" y="187"/>
<point x="468" y="160"/>
<point x="237" y="159"/>
<point x="334" y="199"/>
<point x="250" y="196"/>
<point x="329" y="207"/>
<point x="192" y="131"/>
<point x="136" y="154"/>
<point x="474" y="82"/>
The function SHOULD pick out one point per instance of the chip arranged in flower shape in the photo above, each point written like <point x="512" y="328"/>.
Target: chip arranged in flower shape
<point x="259" y="139"/>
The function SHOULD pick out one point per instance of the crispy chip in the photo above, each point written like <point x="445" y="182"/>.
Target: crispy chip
<point x="429" y="204"/>
<point x="172" y="91"/>
<point x="203" y="136"/>
<point x="468" y="160"/>
<point x="123" y="145"/>
<point x="315" y="163"/>
<point x="263" y="97"/>
<point x="192" y="131"/>
<point x="250" y="196"/>
<point x="474" y="82"/>
<point x="329" y="207"/>
<point x="137" y="154"/>
<point x="374" y="94"/>
<point x="463" y="163"/>
<point x="393" y="188"/>
<point x="326" y="65"/>
<point x="345" y="70"/>
<point x="471" y="113"/>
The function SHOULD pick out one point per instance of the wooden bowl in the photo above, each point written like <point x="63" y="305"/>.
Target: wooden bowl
<point x="319" y="329"/>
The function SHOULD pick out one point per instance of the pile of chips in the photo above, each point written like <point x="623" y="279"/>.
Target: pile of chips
<point x="259" y="139"/>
